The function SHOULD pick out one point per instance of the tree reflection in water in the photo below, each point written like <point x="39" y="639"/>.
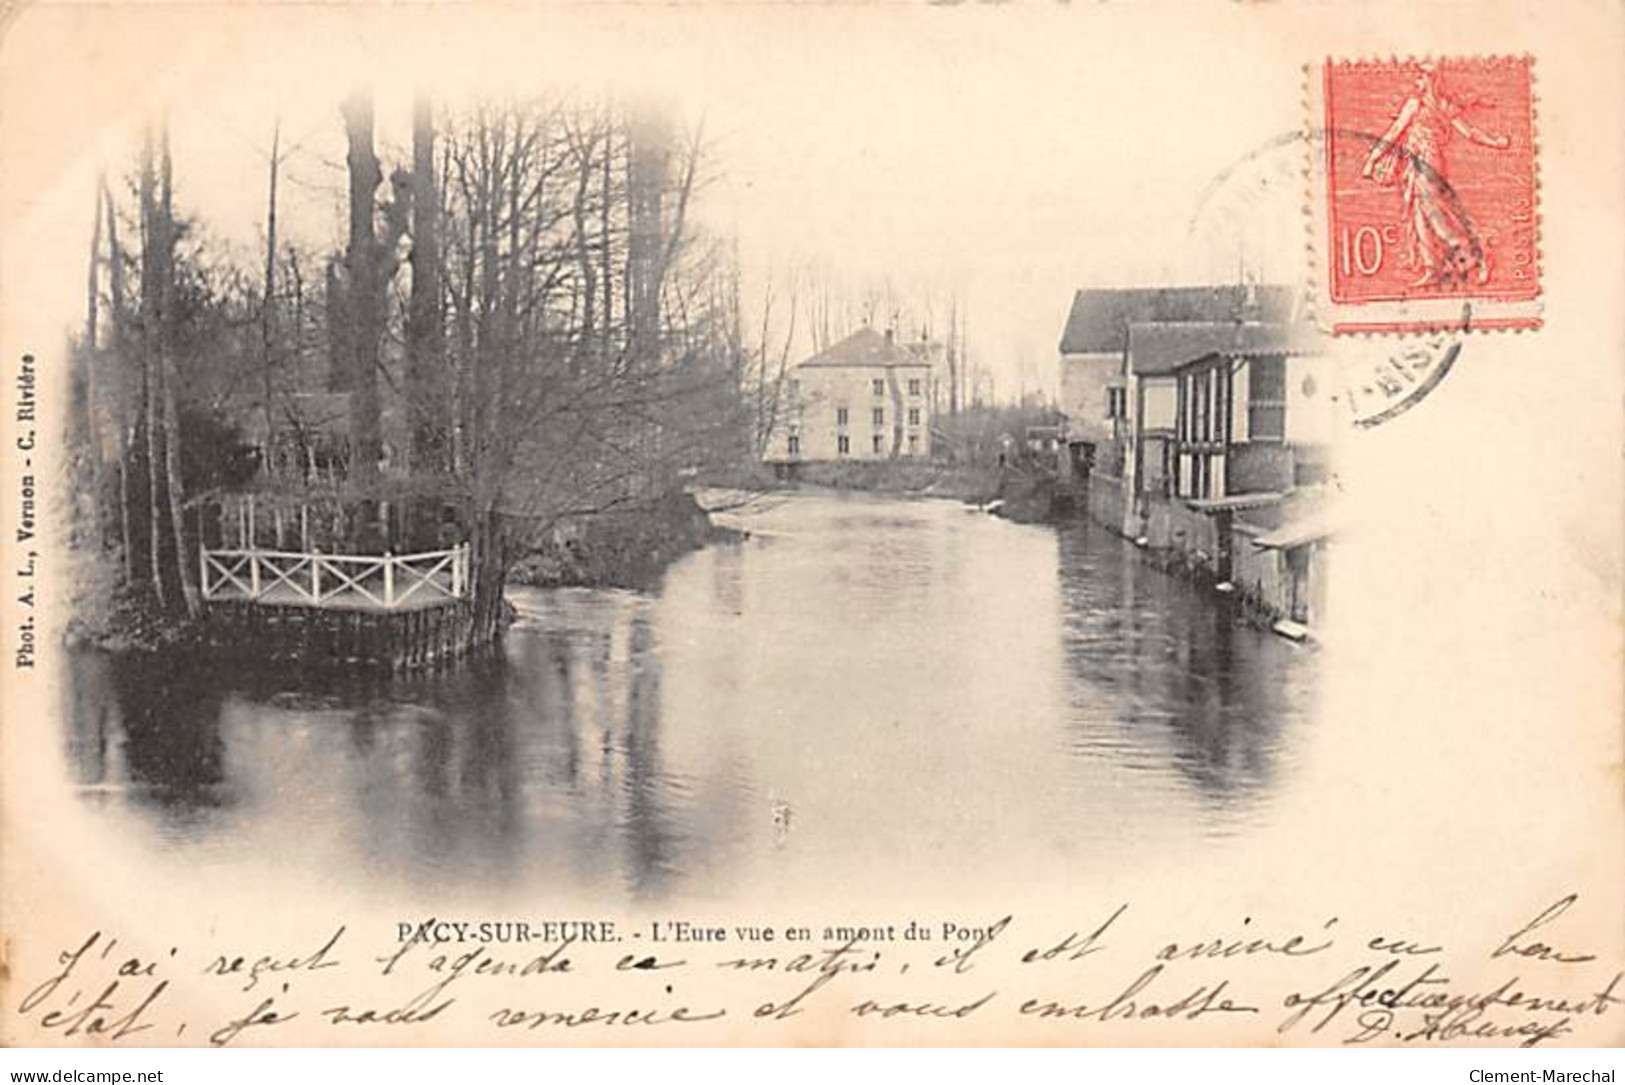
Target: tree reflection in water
<point x="863" y="690"/>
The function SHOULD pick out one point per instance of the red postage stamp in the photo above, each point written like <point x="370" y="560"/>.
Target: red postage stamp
<point x="1429" y="216"/>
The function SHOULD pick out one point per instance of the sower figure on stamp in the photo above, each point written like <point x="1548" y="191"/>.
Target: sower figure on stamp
<point x="1442" y="243"/>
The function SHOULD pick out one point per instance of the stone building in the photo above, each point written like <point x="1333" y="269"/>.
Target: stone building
<point x="865" y="398"/>
<point x="1097" y="385"/>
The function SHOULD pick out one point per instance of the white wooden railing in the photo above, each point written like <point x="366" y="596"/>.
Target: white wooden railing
<point x="339" y="581"/>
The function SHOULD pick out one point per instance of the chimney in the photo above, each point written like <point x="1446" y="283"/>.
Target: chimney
<point x="1250" y="309"/>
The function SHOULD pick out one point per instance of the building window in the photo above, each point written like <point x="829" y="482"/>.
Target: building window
<point x="794" y="445"/>
<point x="914" y="386"/>
<point x="913" y="416"/>
<point x="1187" y="407"/>
<point x="879" y="444"/>
<point x="913" y="444"/>
<point x="880" y="416"/>
<point x="840" y="416"/>
<point x="1266" y="399"/>
<point x="1204" y="404"/>
<point x="880" y="386"/>
<point x="1117" y="403"/>
<point x="843" y="444"/>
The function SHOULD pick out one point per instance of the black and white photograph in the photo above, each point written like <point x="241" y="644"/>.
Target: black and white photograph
<point x="812" y="525"/>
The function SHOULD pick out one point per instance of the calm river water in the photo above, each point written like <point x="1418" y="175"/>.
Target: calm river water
<point x="863" y="690"/>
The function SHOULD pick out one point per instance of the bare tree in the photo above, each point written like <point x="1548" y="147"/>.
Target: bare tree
<point x="92" y="404"/>
<point x="118" y="342"/>
<point x="152" y="274"/>
<point x="168" y="316"/>
<point x="566" y="345"/>
<point x="268" y="303"/>
<point x="425" y="329"/>
<point x="369" y="264"/>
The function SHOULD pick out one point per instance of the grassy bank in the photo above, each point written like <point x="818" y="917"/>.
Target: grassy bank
<point x="619" y="548"/>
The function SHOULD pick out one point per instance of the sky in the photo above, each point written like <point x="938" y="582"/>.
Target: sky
<point x="945" y="151"/>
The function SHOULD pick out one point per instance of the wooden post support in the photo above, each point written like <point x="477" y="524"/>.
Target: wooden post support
<point x="389" y="579"/>
<point x="253" y="537"/>
<point x="304" y="528"/>
<point x="457" y="556"/>
<point x="253" y="574"/>
<point x="316" y="575"/>
<point x="202" y="567"/>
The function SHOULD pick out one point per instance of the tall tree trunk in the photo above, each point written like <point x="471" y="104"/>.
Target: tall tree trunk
<point x="427" y="387"/>
<point x="489" y="567"/>
<point x="647" y="160"/>
<point x="168" y="342"/>
<point x="584" y="259"/>
<point x="963" y="343"/>
<point x="364" y="290"/>
<point x="119" y="341"/>
<point x="336" y="302"/>
<point x="488" y="322"/>
<point x="92" y="427"/>
<point x="606" y="254"/>
<point x="295" y="274"/>
<point x="489" y="570"/>
<point x="649" y="148"/>
<point x="268" y="303"/>
<point x="152" y="381"/>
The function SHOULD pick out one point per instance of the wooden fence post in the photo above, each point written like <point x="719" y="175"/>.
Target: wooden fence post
<point x="316" y="575"/>
<point x="389" y="579"/>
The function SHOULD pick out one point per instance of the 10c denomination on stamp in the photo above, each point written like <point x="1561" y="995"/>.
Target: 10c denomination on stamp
<point x="1426" y="194"/>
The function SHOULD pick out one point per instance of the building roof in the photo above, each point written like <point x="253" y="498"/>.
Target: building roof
<point x="1237" y="503"/>
<point x="866" y="347"/>
<point x="1158" y="349"/>
<point x="1295" y="533"/>
<point x="1099" y="320"/>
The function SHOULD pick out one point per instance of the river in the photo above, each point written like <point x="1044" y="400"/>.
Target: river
<point x="863" y="692"/>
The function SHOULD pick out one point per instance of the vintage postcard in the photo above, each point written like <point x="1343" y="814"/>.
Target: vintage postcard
<point x="832" y="524"/>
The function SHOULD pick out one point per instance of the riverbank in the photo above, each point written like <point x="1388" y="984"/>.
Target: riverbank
<point x="617" y="548"/>
<point x="104" y="614"/>
<point x="973" y="484"/>
<point x="620" y="548"/>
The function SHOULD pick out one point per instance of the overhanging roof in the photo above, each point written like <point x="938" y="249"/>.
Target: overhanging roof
<point x="1162" y="349"/>
<point x="1235" y="502"/>
<point x="1306" y="529"/>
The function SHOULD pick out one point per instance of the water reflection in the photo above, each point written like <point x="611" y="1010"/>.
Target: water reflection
<point x="863" y="690"/>
<point x="1148" y="653"/>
